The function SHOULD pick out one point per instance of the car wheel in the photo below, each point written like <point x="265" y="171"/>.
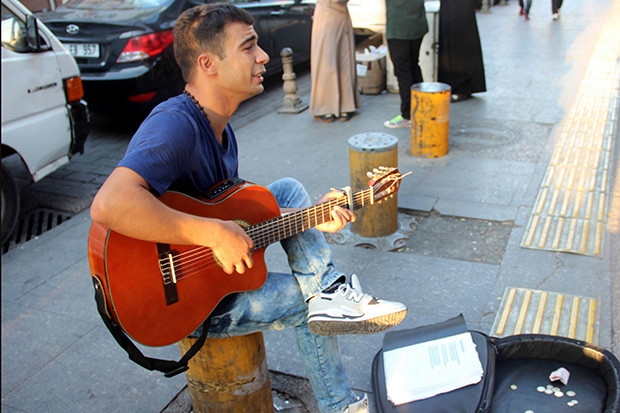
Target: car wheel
<point x="10" y="204"/>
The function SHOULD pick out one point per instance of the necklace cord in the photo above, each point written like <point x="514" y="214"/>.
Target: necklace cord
<point x="193" y="99"/>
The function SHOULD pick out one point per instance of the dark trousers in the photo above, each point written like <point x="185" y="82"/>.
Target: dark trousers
<point x="555" y="6"/>
<point x="526" y="5"/>
<point x="405" y="55"/>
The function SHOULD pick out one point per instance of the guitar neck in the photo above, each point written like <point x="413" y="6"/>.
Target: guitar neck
<point x="282" y="227"/>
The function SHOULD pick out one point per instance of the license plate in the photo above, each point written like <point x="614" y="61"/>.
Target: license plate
<point x="83" y="49"/>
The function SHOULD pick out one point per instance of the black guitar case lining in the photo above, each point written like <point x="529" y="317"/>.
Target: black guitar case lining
<point x="515" y="369"/>
<point x="525" y="362"/>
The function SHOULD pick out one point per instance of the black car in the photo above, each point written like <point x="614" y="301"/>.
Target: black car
<point x="124" y="47"/>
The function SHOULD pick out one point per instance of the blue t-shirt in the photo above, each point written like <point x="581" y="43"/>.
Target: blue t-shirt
<point x="175" y="148"/>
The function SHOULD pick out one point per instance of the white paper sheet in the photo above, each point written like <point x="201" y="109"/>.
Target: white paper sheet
<point x="426" y="369"/>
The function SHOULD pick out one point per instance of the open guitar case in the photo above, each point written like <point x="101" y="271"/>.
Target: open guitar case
<point x="516" y="369"/>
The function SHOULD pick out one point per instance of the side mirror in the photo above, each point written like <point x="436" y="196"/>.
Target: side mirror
<point x="32" y="33"/>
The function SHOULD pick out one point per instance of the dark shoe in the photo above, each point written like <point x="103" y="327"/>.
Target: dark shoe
<point x="345" y="117"/>
<point x="325" y="118"/>
<point x="459" y="97"/>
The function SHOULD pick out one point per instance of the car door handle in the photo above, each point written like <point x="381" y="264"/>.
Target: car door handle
<point x="277" y="13"/>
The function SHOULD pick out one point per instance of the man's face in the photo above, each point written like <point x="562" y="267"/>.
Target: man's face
<point x="241" y="71"/>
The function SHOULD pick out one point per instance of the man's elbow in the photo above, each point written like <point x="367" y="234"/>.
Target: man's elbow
<point x="99" y="210"/>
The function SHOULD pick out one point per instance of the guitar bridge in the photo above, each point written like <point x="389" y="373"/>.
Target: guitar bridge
<point x="168" y="273"/>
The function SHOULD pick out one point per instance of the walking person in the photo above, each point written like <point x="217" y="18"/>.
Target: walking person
<point x="187" y="145"/>
<point x="525" y="6"/>
<point x="334" y="93"/>
<point x="460" y="53"/>
<point x="556" y="5"/>
<point x="406" y="26"/>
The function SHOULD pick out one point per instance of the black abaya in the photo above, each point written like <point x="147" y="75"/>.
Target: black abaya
<point x="460" y="53"/>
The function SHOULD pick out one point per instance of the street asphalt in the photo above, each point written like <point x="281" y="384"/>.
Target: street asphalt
<point x="460" y="246"/>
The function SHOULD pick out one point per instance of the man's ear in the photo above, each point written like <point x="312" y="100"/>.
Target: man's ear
<point x="206" y="63"/>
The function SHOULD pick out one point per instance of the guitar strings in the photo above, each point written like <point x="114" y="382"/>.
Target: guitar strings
<point x="191" y="262"/>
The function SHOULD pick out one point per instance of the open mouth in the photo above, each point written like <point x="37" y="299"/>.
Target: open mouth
<point x="259" y="75"/>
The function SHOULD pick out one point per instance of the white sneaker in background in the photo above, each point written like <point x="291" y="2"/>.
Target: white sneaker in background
<point x="397" y="122"/>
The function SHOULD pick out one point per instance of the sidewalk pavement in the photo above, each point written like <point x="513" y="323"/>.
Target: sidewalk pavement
<point x="468" y="212"/>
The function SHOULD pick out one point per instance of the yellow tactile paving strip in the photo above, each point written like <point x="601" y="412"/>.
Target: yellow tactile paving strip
<point x="571" y="208"/>
<point x="525" y="311"/>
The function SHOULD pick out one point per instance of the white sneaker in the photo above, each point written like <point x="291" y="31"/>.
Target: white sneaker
<point x="555" y="16"/>
<point x="360" y="406"/>
<point x="397" y="122"/>
<point x="350" y="311"/>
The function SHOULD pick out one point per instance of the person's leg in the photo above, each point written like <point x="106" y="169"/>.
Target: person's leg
<point x="279" y="304"/>
<point x="308" y="252"/>
<point x="414" y="52"/>
<point x="400" y="53"/>
<point x="335" y="306"/>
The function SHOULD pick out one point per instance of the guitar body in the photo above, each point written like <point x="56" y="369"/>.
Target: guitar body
<point x="130" y="270"/>
<point x="159" y="293"/>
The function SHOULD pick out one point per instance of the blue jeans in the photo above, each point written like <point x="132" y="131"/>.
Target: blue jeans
<point x="281" y="302"/>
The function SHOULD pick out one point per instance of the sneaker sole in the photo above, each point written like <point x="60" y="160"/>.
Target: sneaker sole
<point x="371" y="326"/>
<point x="392" y="126"/>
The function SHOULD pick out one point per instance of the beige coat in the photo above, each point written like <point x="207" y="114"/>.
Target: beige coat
<point x="334" y="81"/>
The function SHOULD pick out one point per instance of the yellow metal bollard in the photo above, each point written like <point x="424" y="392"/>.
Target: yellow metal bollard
<point x="229" y="375"/>
<point x="430" y="119"/>
<point x="366" y="152"/>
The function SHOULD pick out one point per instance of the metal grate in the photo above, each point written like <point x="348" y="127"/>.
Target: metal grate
<point x="33" y="224"/>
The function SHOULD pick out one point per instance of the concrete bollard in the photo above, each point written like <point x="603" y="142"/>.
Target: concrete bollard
<point x="368" y="151"/>
<point x="292" y="103"/>
<point x="430" y="119"/>
<point x="229" y="375"/>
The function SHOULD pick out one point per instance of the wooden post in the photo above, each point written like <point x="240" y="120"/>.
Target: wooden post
<point x="368" y="151"/>
<point x="229" y="375"/>
<point x="430" y="119"/>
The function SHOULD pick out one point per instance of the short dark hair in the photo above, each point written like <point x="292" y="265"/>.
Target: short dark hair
<point x="201" y="29"/>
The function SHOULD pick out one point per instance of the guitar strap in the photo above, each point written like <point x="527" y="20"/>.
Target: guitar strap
<point x="170" y="368"/>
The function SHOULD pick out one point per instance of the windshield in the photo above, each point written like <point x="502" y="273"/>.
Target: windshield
<point x="116" y="4"/>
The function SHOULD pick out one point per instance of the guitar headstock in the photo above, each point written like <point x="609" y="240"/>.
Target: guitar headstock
<point x="384" y="181"/>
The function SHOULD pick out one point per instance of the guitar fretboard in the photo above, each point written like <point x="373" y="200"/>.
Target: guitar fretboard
<point x="279" y="228"/>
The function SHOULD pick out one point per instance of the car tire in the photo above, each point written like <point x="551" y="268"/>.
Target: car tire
<point x="10" y="204"/>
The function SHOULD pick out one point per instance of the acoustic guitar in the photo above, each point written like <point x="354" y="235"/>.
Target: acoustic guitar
<point x="160" y="293"/>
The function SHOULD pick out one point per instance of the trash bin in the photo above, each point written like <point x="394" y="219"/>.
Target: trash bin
<point x="370" y="69"/>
